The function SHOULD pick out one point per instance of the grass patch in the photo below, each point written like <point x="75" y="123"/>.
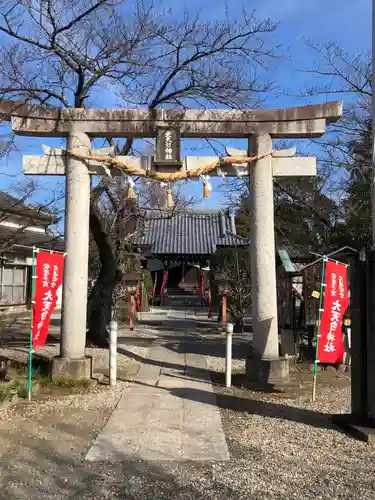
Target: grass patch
<point x="63" y="382"/>
<point x="16" y="382"/>
<point x="23" y="392"/>
<point x="17" y="385"/>
<point x="4" y="394"/>
<point x="13" y="387"/>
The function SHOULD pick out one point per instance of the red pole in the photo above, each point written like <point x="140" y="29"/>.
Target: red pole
<point x="132" y="311"/>
<point x="224" y="311"/>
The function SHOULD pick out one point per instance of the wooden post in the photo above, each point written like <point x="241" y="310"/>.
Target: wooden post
<point x="201" y="286"/>
<point x="139" y="296"/>
<point x="164" y="285"/>
<point x="154" y="288"/>
<point x="224" y="311"/>
<point x="209" y="304"/>
<point x="132" y="311"/>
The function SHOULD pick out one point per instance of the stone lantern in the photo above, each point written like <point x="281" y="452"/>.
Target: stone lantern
<point x="224" y="291"/>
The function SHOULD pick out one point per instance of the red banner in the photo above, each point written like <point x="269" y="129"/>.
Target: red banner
<point x="335" y="303"/>
<point x="49" y="273"/>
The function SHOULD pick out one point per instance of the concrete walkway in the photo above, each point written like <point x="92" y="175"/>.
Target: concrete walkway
<point x="169" y="411"/>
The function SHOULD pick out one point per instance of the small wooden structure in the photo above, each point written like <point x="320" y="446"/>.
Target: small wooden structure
<point x="297" y="279"/>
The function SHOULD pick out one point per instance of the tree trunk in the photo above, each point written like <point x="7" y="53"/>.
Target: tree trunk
<point x="100" y="300"/>
<point x="238" y="324"/>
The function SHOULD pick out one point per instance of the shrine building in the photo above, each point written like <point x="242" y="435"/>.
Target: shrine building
<point x="182" y="245"/>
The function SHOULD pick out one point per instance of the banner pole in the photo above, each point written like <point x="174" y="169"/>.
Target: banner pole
<point x="316" y="361"/>
<point x="30" y="374"/>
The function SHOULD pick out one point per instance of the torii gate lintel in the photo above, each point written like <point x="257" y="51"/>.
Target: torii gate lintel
<point x="296" y="122"/>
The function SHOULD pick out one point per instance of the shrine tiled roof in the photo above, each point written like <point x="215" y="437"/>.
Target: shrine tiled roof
<point x="189" y="234"/>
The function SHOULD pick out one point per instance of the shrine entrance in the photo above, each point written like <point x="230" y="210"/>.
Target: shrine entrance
<point x="184" y="275"/>
<point x="261" y="163"/>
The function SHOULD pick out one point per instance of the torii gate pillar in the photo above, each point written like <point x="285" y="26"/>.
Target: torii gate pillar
<point x="262" y="241"/>
<point x="72" y="359"/>
<point x="264" y="365"/>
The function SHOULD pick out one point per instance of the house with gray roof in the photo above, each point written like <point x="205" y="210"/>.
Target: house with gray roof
<point x="22" y="226"/>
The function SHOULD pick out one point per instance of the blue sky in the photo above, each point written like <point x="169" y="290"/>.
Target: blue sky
<point x="345" y="22"/>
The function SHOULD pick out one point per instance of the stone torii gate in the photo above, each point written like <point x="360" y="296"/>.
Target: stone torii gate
<point x="259" y="126"/>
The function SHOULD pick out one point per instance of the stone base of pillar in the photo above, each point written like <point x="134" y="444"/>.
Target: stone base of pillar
<point x="268" y="371"/>
<point x="74" y="368"/>
<point x="356" y="427"/>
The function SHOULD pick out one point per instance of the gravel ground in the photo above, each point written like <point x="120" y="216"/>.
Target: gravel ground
<point x="15" y="344"/>
<point x="280" y="449"/>
<point x="216" y="363"/>
<point x="282" y="446"/>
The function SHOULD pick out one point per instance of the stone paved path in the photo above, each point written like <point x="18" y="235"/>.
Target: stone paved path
<point x="169" y="411"/>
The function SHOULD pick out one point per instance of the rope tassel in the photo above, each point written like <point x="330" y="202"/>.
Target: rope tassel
<point x="131" y="193"/>
<point x="170" y="201"/>
<point x="206" y="187"/>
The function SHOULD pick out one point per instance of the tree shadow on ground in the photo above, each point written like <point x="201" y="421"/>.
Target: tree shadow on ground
<point x="15" y="331"/>
<point x="252" y="406"/>
<point x="36" y="468"/>
<point x="214" y="347"/>
<point x="232" y="402"/>
<point x="38" y="471"/>
<point x="145" y="341"/>
<point x="149" y="361"/>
